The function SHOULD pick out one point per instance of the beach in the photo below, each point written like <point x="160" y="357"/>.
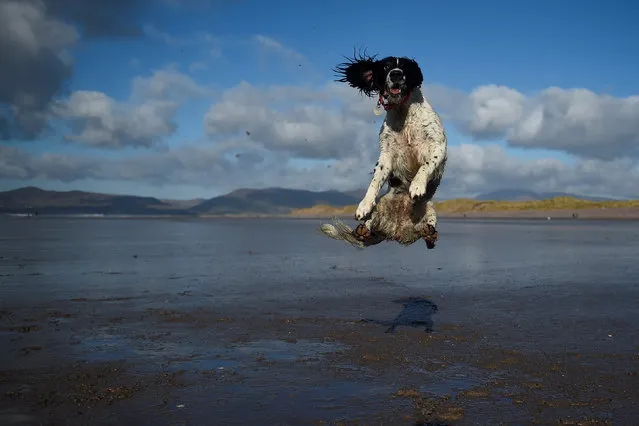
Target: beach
<point x="266" y="321"/>
<point x="616" y="213"/>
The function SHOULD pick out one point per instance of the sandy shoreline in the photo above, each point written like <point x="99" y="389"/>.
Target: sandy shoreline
<point x="604" y="214"/>
<point x="246" y="323"/>
<point x="590" y="214"/>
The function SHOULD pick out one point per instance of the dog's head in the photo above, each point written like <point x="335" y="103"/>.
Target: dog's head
<point x="392" y="77"/>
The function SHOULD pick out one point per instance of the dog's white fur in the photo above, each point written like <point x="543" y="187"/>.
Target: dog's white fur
<point x="412" y="155"/>
<point x="413" y="147"/>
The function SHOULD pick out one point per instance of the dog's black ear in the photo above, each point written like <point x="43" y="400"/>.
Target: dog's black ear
<point x="414" y="77"/>
<point x="358" y="72"/>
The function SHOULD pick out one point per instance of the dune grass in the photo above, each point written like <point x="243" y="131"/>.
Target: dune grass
<point x="325" y="210"/>
<point x="466" y="205"/>
<point x="558" y="203"/>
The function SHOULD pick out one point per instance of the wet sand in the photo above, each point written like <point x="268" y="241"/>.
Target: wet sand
<point x="267" y="322"/>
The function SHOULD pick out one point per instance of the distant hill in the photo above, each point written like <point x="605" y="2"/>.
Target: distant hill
<point x="183" y="204"/>
<point x="35" y="200"/>
<point x="271" y="201"/>
<point x="358" y="193"/>
<point x="249" y="202"/>
<point x="525" y="195"/>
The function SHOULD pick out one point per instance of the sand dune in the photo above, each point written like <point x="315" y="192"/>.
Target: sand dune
<point x="558" y="207"/>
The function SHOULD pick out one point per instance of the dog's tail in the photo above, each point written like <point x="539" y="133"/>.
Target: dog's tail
<point x="338" y="230"/>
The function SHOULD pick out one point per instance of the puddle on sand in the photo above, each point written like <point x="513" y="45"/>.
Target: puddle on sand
<point x="452" y="380"/>
<point x="107" y="346"/>
<point x="280" y="350"/>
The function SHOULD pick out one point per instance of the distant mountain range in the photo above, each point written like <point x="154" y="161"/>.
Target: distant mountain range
<point x="269" y="201"/>
<point x="35" y="200"/>
<point x="242" y="201"/>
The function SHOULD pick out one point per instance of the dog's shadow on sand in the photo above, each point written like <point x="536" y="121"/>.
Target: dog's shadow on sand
<point x="416" y="312"/>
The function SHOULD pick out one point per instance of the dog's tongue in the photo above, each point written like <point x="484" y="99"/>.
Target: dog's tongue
<point x="395" y="91"/>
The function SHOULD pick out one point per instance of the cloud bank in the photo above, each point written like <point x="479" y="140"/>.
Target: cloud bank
<point x="313" y="137"/>
<point x="36" y="38"/>
<point x="576" y="121"/>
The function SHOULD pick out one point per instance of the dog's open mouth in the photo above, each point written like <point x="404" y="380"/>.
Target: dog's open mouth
<point x="395" y="90"/>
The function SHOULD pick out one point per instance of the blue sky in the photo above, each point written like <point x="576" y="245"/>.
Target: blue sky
<point x="516" y="51"/>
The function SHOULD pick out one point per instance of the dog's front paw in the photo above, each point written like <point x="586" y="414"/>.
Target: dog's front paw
<point x="364" y="209"/>
<point x="417" y="189"/>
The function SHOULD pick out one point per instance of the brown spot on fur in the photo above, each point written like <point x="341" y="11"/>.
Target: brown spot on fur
<point x="362" y="232"/>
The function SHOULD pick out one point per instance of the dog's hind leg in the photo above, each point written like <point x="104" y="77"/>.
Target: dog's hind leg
<point x="427" y="226"/>
<point x="431" y="214"/>
<point x="430" y="234"/>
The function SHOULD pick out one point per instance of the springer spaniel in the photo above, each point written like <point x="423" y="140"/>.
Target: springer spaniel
<point x="412" y="158"/>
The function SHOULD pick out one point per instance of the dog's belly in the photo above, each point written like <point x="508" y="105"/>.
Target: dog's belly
<point x="405" y="163"/>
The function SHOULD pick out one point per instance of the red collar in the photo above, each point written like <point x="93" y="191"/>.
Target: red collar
<point x="393" y="106"/>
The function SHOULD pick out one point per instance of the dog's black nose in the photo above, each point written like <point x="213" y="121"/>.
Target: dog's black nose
<point x="396" y="74"/>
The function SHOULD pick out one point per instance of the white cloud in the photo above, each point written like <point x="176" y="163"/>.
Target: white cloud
<point x="302" y="122"/>
<point x="581" y="122"/>
<point x="477" y="168"/>
<point x="97" y="120"/>
<point x="576" y="121"/>
<point x="168" y="83"/>
<point x="493" y="109"/>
